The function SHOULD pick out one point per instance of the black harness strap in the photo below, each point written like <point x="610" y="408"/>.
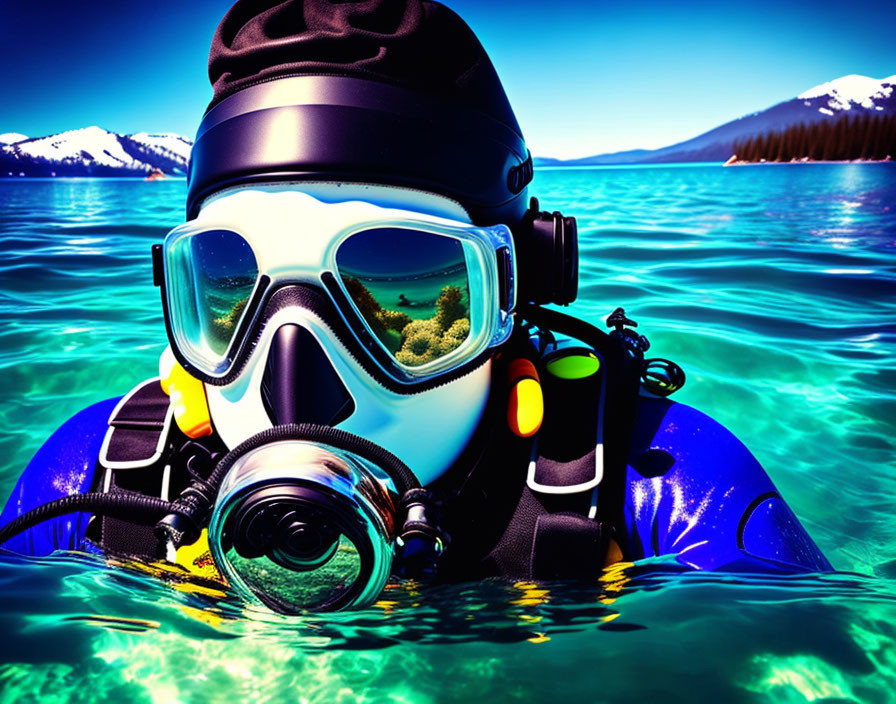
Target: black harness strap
<point x="568" y="541"/>
<point x="133" y="459"/>
<point x="508" y="525"/>
<point x="567" y="546"/>
<point x="138" y="428"/>
<point x="622" y="377"/>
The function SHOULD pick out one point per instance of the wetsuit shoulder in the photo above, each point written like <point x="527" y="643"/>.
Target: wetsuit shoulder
<point x="64" y="465"/>
<point x="694" y="491"/>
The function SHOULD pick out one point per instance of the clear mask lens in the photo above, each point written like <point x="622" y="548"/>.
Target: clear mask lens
<point x="304" y="527"/>
<point x="411" y="288"/>
<point x="215" y="272"/>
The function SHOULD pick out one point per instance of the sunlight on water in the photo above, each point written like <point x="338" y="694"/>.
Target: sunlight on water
<point x="775" y="289"/>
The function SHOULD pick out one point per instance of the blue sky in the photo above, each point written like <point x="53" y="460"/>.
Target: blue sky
<point x="584" y="77"/>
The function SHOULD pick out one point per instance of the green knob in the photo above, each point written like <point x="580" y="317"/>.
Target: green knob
<point x="573" y="366"/>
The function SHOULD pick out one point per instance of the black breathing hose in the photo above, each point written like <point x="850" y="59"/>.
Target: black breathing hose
<point x="181" y="520"/>
<point x="556" y="321"/>
<point x="130" y="507"/>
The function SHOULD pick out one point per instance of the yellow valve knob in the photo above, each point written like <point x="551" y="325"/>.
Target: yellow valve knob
<point x="187" y="396"/>
<point x="525" y="407"/>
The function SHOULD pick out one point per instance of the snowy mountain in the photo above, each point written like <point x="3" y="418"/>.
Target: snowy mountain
<point x="93" y="151"/>
<point x="849" y="95"/>
<point x="849" y="92"/>
<point x="12" y="137"/>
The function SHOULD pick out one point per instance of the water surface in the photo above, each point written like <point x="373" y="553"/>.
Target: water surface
<point x="774" y="287"/>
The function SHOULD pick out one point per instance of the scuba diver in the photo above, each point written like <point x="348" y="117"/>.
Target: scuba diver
<point x="308" y="439"/>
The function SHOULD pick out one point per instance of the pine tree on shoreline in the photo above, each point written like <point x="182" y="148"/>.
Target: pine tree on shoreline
<point x="866" y="137"/>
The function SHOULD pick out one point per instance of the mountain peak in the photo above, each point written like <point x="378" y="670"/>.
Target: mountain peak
<point x="850" y="89"/>
<point x="92" y="131"/>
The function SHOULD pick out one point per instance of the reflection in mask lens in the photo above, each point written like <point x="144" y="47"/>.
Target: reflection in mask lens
<point x="294" y="587"/>
<point x="223" y="271"/>
<point x="411" y="288"/>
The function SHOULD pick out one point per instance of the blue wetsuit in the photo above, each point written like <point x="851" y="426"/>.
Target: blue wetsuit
<point x="693" y="491"/>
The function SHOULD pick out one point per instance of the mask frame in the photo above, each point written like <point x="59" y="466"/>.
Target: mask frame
<point x="290" y="252"/>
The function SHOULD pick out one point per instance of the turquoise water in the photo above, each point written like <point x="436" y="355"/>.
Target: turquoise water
<point x="774" y="287"/>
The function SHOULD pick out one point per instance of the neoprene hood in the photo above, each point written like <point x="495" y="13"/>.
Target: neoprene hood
<point x="392" y="92"/>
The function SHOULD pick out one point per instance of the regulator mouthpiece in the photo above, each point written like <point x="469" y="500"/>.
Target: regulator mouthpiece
<point x="303" y="526"/>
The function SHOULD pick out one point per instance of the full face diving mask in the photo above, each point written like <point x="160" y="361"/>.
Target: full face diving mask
<point x="308" y="517"/>
<point x="423" y="295"/>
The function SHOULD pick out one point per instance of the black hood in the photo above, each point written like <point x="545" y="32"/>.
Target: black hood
<point x="395" y="92"/>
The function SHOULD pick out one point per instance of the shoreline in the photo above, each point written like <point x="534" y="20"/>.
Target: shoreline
<point x="733" y="161"/>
